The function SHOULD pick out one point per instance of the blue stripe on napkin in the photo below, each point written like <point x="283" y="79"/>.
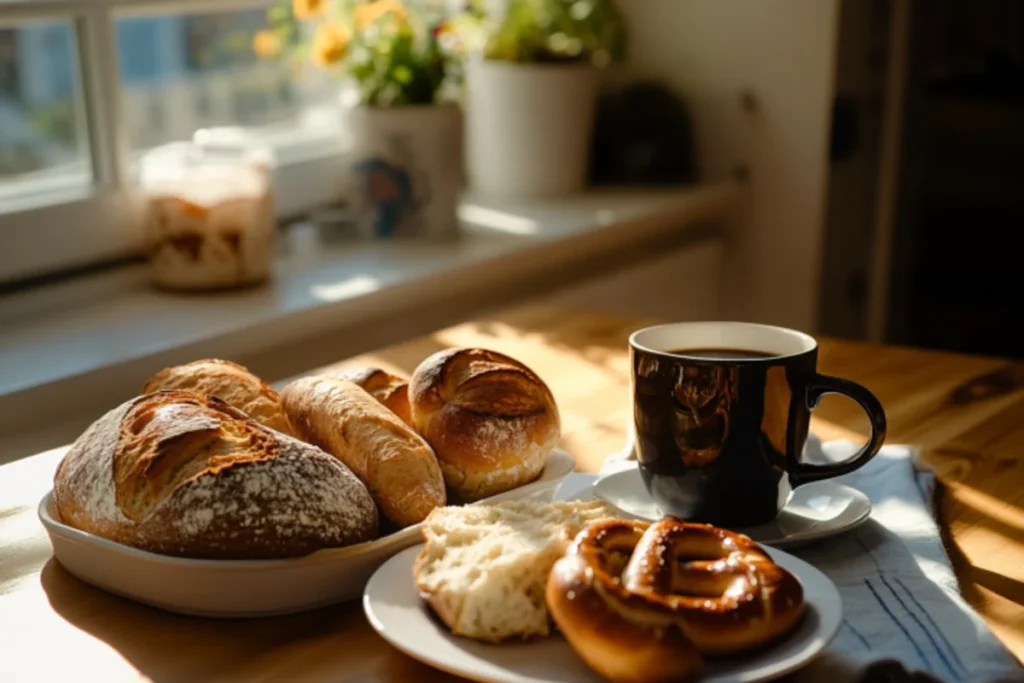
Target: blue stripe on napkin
<point x="892" y="617"/>
<point x="860" y="636"/>
<point x="945" y="641"/>
<point x="920" y="624"/>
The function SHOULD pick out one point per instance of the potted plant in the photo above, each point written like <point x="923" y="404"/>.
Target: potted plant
<point x="405" y="160"/>
<point x="532" y="77"/>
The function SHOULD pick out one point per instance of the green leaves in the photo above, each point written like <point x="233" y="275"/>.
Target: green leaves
<point x="559" y="31"/>
<point x="395" y="66"/>
<point x="280" y="14"/>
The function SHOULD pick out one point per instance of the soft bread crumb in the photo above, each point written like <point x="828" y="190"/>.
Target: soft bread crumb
<point x="484" y="568"/>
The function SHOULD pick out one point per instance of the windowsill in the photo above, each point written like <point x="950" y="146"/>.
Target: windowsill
<point x="79" y="346"/>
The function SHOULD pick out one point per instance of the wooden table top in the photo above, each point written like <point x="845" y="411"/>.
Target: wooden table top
<point x="967" y="413"/>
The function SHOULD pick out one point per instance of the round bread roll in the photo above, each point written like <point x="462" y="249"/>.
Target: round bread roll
<point x="183" y="474"/>
<point x="394" y="462"/>
<point x="231" y="383"/>
<point x="490" y="419"/>
<point x="391" y="390"/>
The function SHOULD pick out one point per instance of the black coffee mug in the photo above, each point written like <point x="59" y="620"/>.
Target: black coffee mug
<point x="721" y="411"/>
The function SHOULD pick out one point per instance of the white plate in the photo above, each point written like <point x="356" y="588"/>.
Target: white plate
<point x="814" y="511"/>
<point x="395" y="610"/>
<point x="244" y="588"/>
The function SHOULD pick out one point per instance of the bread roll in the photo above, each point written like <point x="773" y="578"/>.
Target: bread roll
<point x="391" y="390"/>
<point x="394" y="462"/>
<point x="189" y="475"/>
<point x="484" y="567"/>
<point x="229" y="382"/>
<point x="489" y="418"/>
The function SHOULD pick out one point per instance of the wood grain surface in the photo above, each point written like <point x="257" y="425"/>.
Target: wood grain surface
<point x="967" y="414"/>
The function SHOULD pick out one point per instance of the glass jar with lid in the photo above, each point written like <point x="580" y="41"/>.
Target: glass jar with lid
<point x="209" y="211"/>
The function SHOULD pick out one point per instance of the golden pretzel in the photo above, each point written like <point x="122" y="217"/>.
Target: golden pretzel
<point x="643" y="602"/>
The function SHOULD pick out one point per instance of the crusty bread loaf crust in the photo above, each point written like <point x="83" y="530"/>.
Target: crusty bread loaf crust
<point x="491" y="420"/>
<point x="391" y="390"/>
<point x="183" y="474"/>
<point x="394" y="462"/>
<point x="231" y="383"/>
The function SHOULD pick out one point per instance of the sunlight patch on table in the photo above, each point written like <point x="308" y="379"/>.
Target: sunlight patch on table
<point x="502" y="221"/>
<point x="1004" y="512"/>
<point x="345" y="289"/>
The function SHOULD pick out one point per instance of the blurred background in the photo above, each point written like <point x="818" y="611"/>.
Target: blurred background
<point x="949" y="207"/>
<point x="849" y="167"/>
<point x="953" y="172"/>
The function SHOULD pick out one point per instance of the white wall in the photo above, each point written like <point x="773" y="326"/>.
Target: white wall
<point x="783" y="53"/>
<point x="681" y="284"/>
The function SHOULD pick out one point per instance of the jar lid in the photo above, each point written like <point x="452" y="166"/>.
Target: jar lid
<point x="217" y="162"/>
<point x="232" y="142"/>
<point x="226" y="146"/>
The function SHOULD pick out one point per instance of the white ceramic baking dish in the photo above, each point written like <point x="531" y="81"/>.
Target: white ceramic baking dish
<point x="245" y="588"/>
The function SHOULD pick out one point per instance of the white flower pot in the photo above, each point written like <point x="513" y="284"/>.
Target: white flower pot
<point x="528" y="127"/>
<point x="405" y="169"/>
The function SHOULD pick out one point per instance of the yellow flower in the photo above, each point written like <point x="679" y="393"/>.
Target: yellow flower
<point x="307" y="9"/>
<point x="266" y="44"/>
<point x="370" y="12"/>
<point x="329" y="43"/>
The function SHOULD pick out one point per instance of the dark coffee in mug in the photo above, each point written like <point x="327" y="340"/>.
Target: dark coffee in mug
<point x="721" y="412"/>
<point x="721" y="354"/>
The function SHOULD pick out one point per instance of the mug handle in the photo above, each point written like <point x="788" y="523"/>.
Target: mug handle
<point x="818" y="386"/>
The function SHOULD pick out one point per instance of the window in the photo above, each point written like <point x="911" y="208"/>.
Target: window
<point x="42" y="123"/>
<point x="86" y="86"/>
<point x="180" y="73"/>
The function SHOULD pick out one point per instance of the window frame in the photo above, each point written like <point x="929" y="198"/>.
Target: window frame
<point x="66" y="225"/>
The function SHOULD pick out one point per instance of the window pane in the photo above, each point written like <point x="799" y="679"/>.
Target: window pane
<point x="43" y="141"/>
<point x="189" y="71"/>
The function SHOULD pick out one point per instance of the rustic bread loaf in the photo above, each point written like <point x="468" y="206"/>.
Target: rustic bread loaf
<point x="491" y="420"/>
<point x="183" y="474"/>
<point x="229" y="382"/>
<point x="391" y="390"/>
<point x="484" y="567"/>
<point x="394" y="462"/>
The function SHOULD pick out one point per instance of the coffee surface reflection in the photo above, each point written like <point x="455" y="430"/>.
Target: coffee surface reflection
<point x="723" y="353"/>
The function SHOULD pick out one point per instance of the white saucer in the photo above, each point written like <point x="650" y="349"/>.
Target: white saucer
<point x="245" y="588"/>
<point x="814" y="511"/>
<point x="394" y="608"/>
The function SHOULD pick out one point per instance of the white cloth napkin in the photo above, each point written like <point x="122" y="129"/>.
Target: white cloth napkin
<point x="900" y="596"/>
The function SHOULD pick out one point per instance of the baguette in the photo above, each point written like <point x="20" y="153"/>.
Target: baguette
<point x="389" y="389"/>
<point x="395" y="463"/>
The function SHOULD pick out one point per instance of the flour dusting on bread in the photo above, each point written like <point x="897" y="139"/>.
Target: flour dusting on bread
<point x="92" y="485"/>
<point x="283" y="497"/>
